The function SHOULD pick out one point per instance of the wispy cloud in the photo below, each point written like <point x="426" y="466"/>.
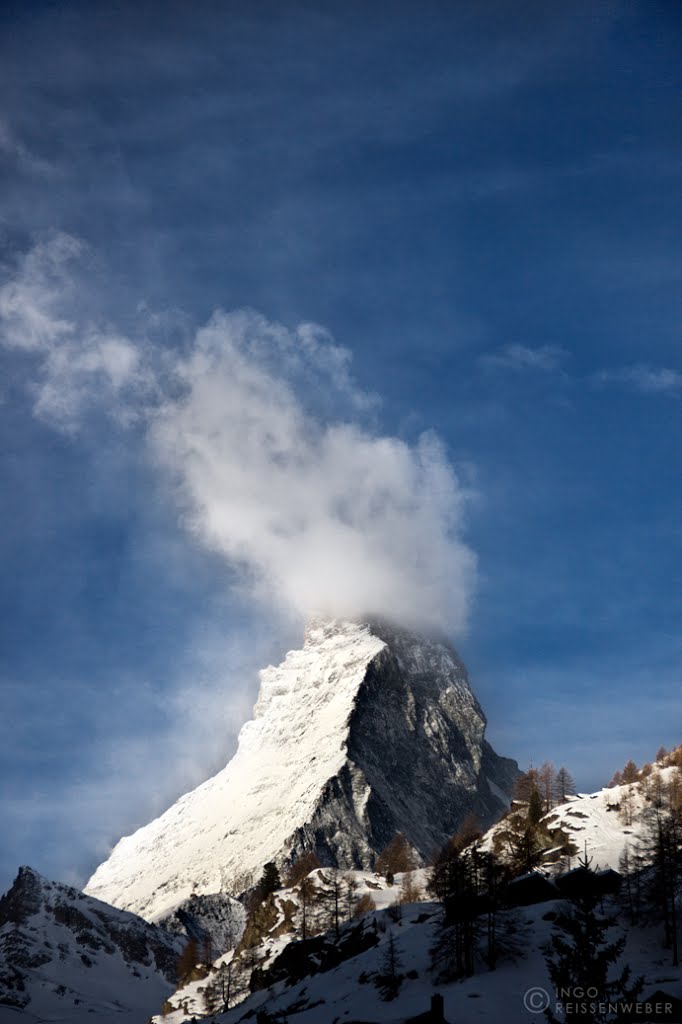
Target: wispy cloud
<point x="266" y="442"/>
<point x="76" y="360"/>
<point x="195" y="719"/>
<point x="523" y="357"/>
<point x="12" y="149"/>
<point x="651" y="380"/>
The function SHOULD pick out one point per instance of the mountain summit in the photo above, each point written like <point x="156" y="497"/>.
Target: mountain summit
<point x="366" y="731"/>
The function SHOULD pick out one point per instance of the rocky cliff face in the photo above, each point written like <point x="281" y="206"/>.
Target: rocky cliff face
<point x="365" y="731"/>
<point x="65" y="956"/>
<point x="416" y="746"/>
<point x="216" y="923"/>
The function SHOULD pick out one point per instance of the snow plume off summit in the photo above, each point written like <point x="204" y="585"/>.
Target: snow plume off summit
<point x="272" y="449"/>
<point x="270" y="445"/>
<point x="366" y="731"/>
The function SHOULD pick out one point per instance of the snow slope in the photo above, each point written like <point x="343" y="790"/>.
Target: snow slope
<point x="602" y="823"/>
<point x="606" y="821"/>
<point x="214" y="838"/>
<point x="188" y="1001"/>
<point x="365" y="731"/>
<point x="348" y="992"/>
<point x="67" y="957"/>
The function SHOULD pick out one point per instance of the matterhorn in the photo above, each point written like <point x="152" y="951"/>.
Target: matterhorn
<point x="366" y="731"/>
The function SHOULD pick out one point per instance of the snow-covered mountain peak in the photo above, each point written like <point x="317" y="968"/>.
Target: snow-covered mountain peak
<point x="66" y="956"/>
<point x="367" y="730"/>
<point x="332" y="650"/>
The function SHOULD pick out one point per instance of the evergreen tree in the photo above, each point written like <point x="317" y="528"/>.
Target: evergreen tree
<point x="269" y="881"/>
<point x="630" y="892"/>
<point x="390" y="979"/>
<point x="455" y="881"/>
<point x="580" y="960"/>
<point x="535" y="808"/>
<point x="661" y="851"/>
<point x="495" y="877"/>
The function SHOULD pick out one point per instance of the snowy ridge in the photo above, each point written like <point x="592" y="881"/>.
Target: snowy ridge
<point x="601" y="823"/>
<point x="216" y="837"/>
<point x="606" y="821"/>
<point x="365" y="731"/>
<point x="66" y="956"/>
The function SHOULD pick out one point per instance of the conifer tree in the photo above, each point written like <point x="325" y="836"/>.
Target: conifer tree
<point x="390" y="979"/>
<point x="581" y="958"/>
<point x="455" y="881"/>
<point x="535" y="808"/>
<point x="661" y="851"/>
<point x="350" y="888"/>
<point x="331" y="897"/>
<point x="307" y="895"/>
<point x="269" y="881"/>
<point x="409" y="890"/>
<point x="630" y="892"/>
<point x="396" y="857"/>
<point x="564" y="785"/>
<point x="525" y="784"/>
<point x="547" y="784"/>
<point x="306" y="863"/>
<point x="187" y="962"/>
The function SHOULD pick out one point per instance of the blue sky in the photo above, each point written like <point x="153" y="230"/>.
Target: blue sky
<point x="481" y="203"/>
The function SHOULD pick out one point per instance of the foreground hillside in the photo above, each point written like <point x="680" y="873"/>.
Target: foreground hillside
<point x="351" y="991"/>
<point x="379" y="946"/>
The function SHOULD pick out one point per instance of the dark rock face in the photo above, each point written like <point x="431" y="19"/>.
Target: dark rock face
<point x="302" y="959"/>
<point x="22" y="900"/>
<point x="418" y="733"/>
<point x="216" y="922"/>
<point x="61" y="949"/>
<point x="418" y="761"/>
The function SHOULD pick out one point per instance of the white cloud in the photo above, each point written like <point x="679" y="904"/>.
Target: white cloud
<point x="647" y="379"/>
<point x="266" y="439"/>
<point x="327" y="517"/>
<point x="522" y="357"/>
<point x="29" y="303"/>
<point x="77" y="362"/>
